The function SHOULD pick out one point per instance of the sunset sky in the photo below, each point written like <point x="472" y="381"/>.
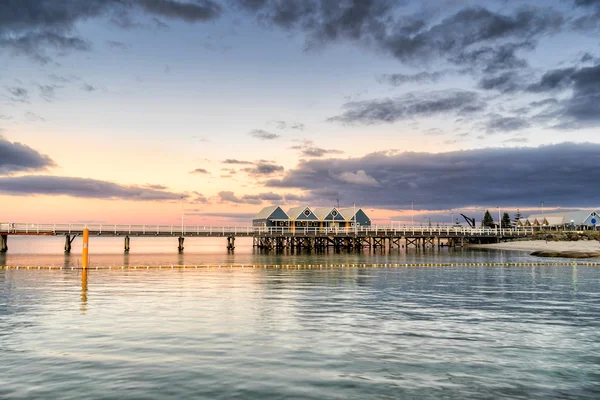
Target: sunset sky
<point x="113" y="110"/>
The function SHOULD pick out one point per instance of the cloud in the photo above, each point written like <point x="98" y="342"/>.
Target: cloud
<point x="309" y="149"/>
<point x="556" y="79"/>
<point x="16" y="157"/>
<point x="263" y="168"/>
<point x="199" y="171"/>
<point x="409" y="106"/>
<point x="18" y="94"/>
<point x="47" y="92"/>
<point x="499" y="123"/>
<point x="230" y="197"/>
<point x="509" y="176"/>
<point x="33" y="117"/>
<point x="401" y="79"/>
<point x="359" y="177"/>
<point x="30" y="27"/>
<point x="33" y="44"/>
<point x="232" y="161"/>
<point x="582" y="106"/>
<point x="88" y="88"/>
<point x="115" y="44"/>
<point x="246" y="217"/>
<point x="289" y="125"/>
<point x="200" y="10"/>
<point x="385" y="26"/>
<point x="81" y="188"/>
<point x="199" y="198"/>
<point x="506" y="82"/>
<point x="264" y="135"/>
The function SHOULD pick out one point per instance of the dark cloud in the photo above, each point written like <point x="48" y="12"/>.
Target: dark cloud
<point x="556" y="79"/>
<point x="17" y="157"/>
<point x="263" y="168"/>
<point x="493" y="59"/>
<point x="506" y="82"/>
<point x="88" y="88"/>
<point x="31" y="27"/>
<point x="472" y="32"/>
<point x="544" y="102"/>
<point x="483" y="177"/>
<point x="264" y="135"/>
<point x="81" y="187"/>
<point x="408" y="106"/>
<point x="33" y="44"/>
<point x="200" y="171"/>
<point x="401" y="79"/>
<point x="199" y="10"/>
<point x="582" y="107"/>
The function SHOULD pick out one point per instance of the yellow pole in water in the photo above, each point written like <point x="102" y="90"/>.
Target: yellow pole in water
<point x="84" y="255"/>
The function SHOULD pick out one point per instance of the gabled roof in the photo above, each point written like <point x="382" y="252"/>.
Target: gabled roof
<point x="272" y="211"/>
<point x="328" y="214"/>
<point x="300" y="213"/>
<point x="348" y="213"/>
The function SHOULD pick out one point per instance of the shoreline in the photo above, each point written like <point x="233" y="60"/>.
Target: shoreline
<point x="542" y="245"/>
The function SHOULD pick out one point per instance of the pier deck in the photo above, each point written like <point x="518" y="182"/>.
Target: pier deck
<point x="275" y="237"/>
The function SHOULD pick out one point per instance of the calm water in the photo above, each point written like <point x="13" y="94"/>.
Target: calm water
<point x="453" y="332"/>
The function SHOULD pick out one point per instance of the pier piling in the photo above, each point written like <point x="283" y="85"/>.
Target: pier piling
<point x="127" y="241"/>
<point x="3" y="243"/>
<point x="69" y="242"/>
<point x="230" y="242"/>
<point x="180" y="248"/>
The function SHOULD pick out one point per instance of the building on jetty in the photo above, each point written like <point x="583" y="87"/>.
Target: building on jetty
<point x="580" y="220"/>
<point x="307" y="217"/>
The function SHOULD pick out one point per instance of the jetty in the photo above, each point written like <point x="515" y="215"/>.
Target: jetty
<point x="278" y="238"/>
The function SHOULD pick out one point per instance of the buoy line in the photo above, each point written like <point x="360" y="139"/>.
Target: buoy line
<point x="303" y="266"/>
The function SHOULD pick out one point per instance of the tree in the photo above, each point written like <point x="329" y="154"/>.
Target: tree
<point x="518" y="215"/>
<point x="488" y="220"/>
<point x="506" y="220"/>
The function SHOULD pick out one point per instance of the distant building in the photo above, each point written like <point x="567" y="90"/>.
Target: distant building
<point x="579" y="220"/>
<point x="305" y="216"/>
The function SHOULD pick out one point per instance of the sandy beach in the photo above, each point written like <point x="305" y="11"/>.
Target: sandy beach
<point x="542" y="245"/>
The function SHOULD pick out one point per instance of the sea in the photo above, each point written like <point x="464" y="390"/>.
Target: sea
<point x="466" y="330"/>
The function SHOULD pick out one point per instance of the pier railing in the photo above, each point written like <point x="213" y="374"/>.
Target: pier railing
<point x="199" y="230"/>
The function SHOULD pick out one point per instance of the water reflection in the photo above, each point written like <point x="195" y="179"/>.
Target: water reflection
<point x="67" y="261"/>
<point x="84" y="290"/>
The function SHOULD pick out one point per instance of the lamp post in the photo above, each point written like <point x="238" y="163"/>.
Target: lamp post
<point x="451" y="217"/>
<point x="412" y="212"/>
<point x="181" y="215"/>
<point x="499" y="219"/>
<point x="354" y="208"/>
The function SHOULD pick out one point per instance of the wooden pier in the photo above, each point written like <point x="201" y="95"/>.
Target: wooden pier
<point x="278" y="238"/>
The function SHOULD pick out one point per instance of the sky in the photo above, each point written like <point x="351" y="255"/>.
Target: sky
<point x="128" y="111"/>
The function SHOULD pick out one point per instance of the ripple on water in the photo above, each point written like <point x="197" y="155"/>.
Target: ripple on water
<point x="460" y="332"/>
